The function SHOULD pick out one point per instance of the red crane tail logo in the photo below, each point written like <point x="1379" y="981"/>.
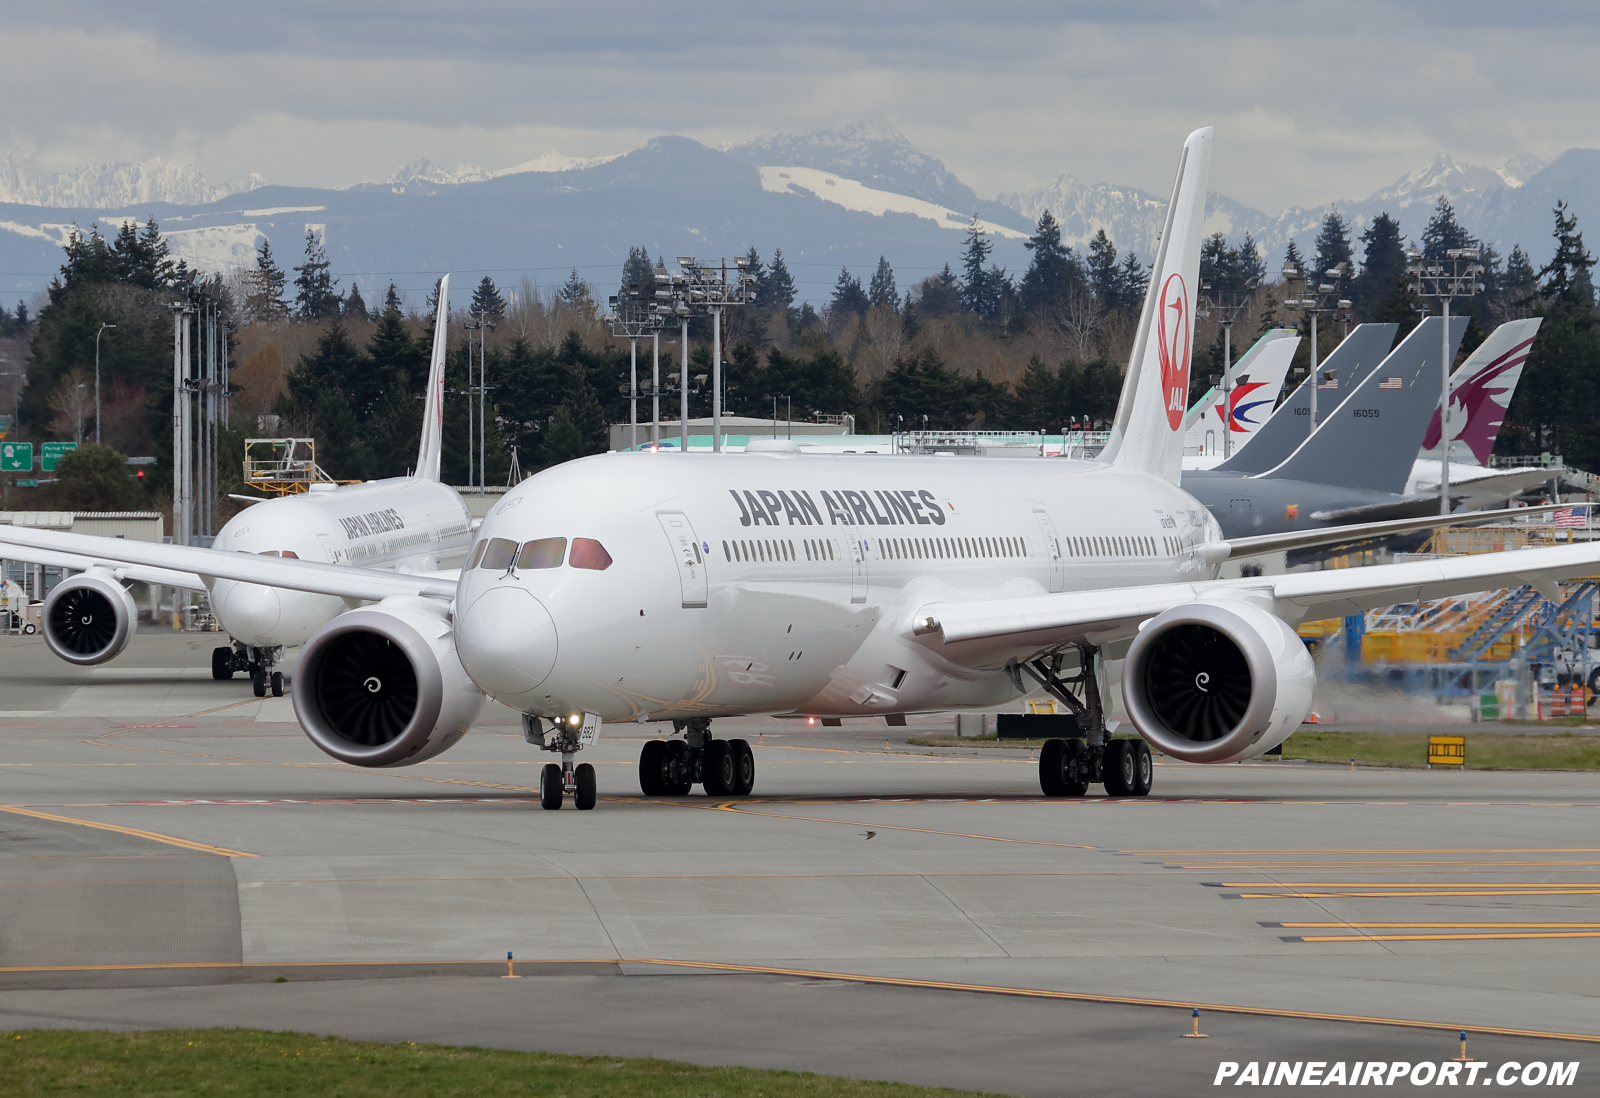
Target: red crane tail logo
<point x="1172" y="331"/>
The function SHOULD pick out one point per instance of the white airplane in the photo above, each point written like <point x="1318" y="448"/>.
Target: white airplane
<point x="410" y="524"/>
<point x="655" y="587"/>
<point x="1258" y="379"/>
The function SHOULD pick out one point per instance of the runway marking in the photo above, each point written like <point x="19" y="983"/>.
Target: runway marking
<point x="1385" y="895"/>
<point x="1041" y="993"/>
<point x="1509" y="935"/>
<point x="1375" y="867"/>
<point x="846" y="977"/>
<point x="1400" y="884"/>
<point x="1336" y="850"/>
<point x="1436" y="926"/>
<point x="732" y="806"/>
<point x="153" y="836"/>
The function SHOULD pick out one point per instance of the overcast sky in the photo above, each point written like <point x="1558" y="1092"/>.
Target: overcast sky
<point x="1311" y="102"/>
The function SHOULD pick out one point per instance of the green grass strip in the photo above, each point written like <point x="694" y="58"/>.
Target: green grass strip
<point x="1485" y="750"/>
<point x="242" y="1063"/>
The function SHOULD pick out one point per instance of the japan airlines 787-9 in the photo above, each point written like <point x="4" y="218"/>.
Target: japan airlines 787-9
<point x="686" y="587"/>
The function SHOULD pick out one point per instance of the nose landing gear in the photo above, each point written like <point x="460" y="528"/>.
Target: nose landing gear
<point x="670" y="768"/>
<point x="571" y="778"/>
<point x="257" y="662"/>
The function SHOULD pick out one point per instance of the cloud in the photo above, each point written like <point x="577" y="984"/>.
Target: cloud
<point x="1310" y="103"/>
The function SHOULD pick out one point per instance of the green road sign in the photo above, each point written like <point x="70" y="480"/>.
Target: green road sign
<point x="16" y="457"/>
<point x="27" y="484"/>
<point x="53" y="452"/>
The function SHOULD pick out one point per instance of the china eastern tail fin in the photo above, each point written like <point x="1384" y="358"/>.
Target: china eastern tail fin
<point x="433" y="408"/>
<point x="1147" y="434"/>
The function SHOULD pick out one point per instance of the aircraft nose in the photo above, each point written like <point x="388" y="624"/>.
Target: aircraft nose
<point x="507" y="641"/>
<point x="249" y="611"/>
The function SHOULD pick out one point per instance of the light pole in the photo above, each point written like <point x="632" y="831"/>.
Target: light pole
<point x="631" y="318"/>
<point x="1227" y="308"/>
<point x="1456" y="277"/>
<point x="97" y="336"/>
<point x="1323" y="298"/>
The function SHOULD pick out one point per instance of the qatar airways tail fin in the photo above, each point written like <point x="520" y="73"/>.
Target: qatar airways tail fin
<point x="1480" y="392"/>
<point x="433" y="408"/>
<point x="1147" y="434"/>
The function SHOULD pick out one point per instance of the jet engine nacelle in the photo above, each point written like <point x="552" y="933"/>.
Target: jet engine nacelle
<point x="1215" y="682"/>
<point x="89" y="618"/>
<point x="382" y="686"/>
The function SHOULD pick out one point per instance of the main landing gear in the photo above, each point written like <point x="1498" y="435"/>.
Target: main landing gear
<point x="258" y="662"/>
<point x="668" y="768"/>
<point x="1068" y="767"/>
<point x="568" y="735"/>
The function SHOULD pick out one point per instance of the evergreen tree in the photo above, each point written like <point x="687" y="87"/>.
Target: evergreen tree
<point x="639" y="277"/>
<point x="1221" y="267"/>
<point x="1103" y="271"/>
<point x="1443" y="232"/>
<point x="1252" y="265"/>
<point x="391" y="301"/>
<point x="432" y="300"/>
<point x="755" y="273"/>
<point x="981" y="286"/>
<point x="881" y="290"/>
<point x="314" y="285"/>
<point x="95" y="478"/>
<point x="1052" y="269"/>
<point x="1383" y="261"/>
<point x="1333" y="244"/>
<point x="487" y="300"/>
<point x="1566" y="277"/>
<point x="575" y="292"/>
<point x="22" y="314"/>
<point x="1292" y="256"/>
<point x="777" y="289"/>
<point x="354" y="307"/>
<point x="1519" y="271"/>
<point x="1133" y="279"/>
<point x="940" y="295"/>
<point x="270" y="285"/>
<point x="848" y="296"/>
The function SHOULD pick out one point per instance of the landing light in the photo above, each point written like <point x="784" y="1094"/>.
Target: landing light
<point x="575" y="720"/>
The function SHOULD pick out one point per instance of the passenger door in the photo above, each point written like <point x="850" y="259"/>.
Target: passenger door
<point x="1052" y="548"/>
<point x="686" y="551"/>
<point x="858" y="570"/>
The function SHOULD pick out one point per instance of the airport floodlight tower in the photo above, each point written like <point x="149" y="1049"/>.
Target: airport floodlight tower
<point x="477" y="328"/>
<point x="704" y="289"/>
<point x="1456" y="276"/>
<point x="1226" y="307"/>
<point x="632" y="316"/>
<point x="1317" y="295"/>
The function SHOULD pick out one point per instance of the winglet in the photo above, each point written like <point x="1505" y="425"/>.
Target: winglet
<point x="1147" y="434"/>
<point x="433" y="409"/>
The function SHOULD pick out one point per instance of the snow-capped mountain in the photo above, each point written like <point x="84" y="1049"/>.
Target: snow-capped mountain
<point x="829" y="200"/>
<point x="112" y="185"/>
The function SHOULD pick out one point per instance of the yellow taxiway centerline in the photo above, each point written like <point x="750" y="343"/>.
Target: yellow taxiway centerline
<point x="153" y="836"/>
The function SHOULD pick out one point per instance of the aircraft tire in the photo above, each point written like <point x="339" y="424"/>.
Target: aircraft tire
<point x="744" y="767"/>
<point x="277" y="684"/>
<point x="1118" y="768"/>
<point x="583" y="776"/>
<point x="258" y="683"/>
<point x="222" y="663"/>
<point x="550" y="787"/>
<point x="1052" y="768"/>
<point x="717" y="769"/>
<point x="1143" y="769"/>
<point x="653" y="768"/>
<point x="679" y="772"/>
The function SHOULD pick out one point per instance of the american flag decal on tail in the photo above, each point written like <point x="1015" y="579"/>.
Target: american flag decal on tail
<point x="1389" y="383"/>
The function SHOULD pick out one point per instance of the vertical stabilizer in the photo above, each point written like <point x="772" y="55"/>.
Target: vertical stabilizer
<point x="433" y="408"/>
<point x="1480" y="392"/>
<point x="1257" y="383"/>
<point x="1147" y="434"/>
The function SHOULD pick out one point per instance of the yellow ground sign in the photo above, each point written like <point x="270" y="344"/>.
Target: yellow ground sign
<point x="1447" y="751"/>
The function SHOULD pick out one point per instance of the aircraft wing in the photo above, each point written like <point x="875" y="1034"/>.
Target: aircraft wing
<point x="987" y="633"/>
<point x="88" y="550"/>
<point x="78" y="562"/>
